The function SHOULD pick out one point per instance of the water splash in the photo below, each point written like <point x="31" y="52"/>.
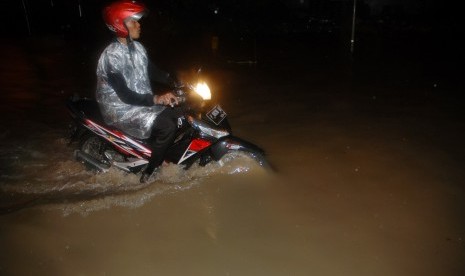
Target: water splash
<point x="48" y="176"/>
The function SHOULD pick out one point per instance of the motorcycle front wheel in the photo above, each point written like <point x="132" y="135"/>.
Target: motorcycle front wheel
<point x="238" y="155"/>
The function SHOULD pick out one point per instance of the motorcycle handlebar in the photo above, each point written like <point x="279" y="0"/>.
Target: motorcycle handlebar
<point x="185" y="94"/>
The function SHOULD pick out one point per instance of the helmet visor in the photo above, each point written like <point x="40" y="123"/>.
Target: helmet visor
<point x="136" y="16"/>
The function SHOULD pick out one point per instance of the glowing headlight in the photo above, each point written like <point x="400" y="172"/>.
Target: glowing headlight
<point x="203" y="90"/>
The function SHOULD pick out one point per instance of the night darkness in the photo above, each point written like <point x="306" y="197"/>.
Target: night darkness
<point x="426" y="28"/>
<point x="274" y="16"/>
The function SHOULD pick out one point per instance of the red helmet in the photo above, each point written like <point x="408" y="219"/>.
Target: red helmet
<point x="116" y="13"/>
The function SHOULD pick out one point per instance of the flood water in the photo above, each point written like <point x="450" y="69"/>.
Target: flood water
<point x="369" y="175"/>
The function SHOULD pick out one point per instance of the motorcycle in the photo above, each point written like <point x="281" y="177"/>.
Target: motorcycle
<point x="204" y="135"/>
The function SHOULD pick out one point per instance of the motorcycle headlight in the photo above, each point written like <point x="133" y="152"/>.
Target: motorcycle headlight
<point x="203" y="91"/>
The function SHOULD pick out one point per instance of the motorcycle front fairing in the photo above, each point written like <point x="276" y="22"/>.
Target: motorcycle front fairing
<point x="207" y="151"/>
<point x="208" y="141"/>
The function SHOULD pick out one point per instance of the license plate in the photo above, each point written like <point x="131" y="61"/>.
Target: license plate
<point x="216" y="115"/>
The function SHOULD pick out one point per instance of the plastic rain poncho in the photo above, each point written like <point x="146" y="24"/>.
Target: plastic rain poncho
<point x="134" y="120"/>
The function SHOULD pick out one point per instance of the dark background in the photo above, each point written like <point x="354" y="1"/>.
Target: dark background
<point x="271" y="35"/>
<point x="194" y="22"/>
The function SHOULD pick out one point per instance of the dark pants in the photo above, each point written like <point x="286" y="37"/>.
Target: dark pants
<point x="162" y="137"/>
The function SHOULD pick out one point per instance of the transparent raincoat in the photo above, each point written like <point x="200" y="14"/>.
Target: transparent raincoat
<point x="132" y="63"/>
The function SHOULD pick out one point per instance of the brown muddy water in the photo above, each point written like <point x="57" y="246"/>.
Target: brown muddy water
<point x="369" y="180"/>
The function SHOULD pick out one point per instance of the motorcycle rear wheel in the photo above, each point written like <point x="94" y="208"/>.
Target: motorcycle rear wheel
<point x="95" y="147"/>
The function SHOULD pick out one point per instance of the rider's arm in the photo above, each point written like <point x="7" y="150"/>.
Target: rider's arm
<point x="117" y="82"/>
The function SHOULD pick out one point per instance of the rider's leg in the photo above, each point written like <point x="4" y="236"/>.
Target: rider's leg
<point x="162" y="137"/>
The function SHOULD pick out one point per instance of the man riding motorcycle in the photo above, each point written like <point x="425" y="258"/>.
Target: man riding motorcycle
<point x="127" y="98"/>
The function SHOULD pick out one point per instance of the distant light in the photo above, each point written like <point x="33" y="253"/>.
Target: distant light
<point x="215" y="11"/>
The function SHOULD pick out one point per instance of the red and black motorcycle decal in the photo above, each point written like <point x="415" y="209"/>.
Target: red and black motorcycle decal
<point x="123" y="143"/>
<point x="195" y="146"/>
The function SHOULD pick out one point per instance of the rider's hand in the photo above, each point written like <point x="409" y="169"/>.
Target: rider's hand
<point x="166" y="99"/>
